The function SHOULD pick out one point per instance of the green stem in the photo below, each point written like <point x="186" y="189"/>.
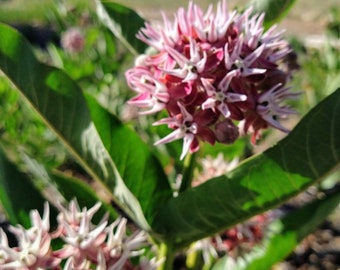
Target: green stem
<point x="167" y="253"/>
<point x="191" y="260"/>
<point x="189" y="166"/>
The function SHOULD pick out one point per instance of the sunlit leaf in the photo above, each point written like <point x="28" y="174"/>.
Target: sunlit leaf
<point x="304" y="157"/>
<point x="139" y="168"/>
<point x="60" y="103"/>
<point x="286" y="232"/>
<point x="123" y="22"/>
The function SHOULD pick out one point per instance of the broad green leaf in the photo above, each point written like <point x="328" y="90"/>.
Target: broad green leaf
<point x="60" y="103"/>
<point x="123" y="22"/>
<point x="305" y="156"/>
<point x="292" y="229"/>
<point x="139" y="168"/>
<point x="18" y="195"/>
<point x="286" y="232"/>
<point x="275" y="10"/>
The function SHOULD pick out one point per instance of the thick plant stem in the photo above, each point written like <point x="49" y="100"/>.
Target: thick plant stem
<point x="189" y="166"/>
<point x="167" y="254"/>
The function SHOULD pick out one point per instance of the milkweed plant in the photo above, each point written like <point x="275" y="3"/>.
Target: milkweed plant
<point x="159" y="123"/>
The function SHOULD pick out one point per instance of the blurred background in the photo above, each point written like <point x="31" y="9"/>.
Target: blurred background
<point x="307" y="17"/>
<point x="69" y="35"/>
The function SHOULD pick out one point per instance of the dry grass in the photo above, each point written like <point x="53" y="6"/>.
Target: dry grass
<point x="307" y="17"/>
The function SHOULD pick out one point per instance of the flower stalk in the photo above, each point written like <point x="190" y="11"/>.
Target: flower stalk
<point x="167" y="254"/>
<point x="189" y="166"/>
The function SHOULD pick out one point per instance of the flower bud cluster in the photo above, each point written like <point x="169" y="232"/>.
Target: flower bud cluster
<point x="212" y="72"/>
<point x="86" y="245"/>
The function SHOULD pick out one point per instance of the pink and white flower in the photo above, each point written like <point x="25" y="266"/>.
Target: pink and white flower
<point x="86" y="245"/>
<point x="222" y="62"/>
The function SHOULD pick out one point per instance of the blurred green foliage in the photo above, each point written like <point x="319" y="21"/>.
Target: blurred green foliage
<point x="22" y="131"/>
<point x="319" y="74"/>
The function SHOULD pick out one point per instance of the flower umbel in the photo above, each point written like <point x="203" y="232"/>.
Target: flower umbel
<point x="86" y="245"/>
<point x="223" y="66"/>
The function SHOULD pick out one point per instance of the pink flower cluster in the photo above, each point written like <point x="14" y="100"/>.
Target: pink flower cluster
<point x="212" y="73"/>
<point x="237" y="241"/>
<point x="243" y="237"/>
<point x="86" y="245"/>
<point x="73" y="41"/>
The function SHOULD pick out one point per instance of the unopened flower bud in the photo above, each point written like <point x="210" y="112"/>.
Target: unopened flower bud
<point x="226" y="131"/>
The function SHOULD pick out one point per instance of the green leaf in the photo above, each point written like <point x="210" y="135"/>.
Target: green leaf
<point x="18" y="195"/>
<point x="275" y="10"/>
<point x="304" y="157"/>
<point x="140" y="169"/>
<point x="287" y="232"/>
<point x="60" y="103"/>
<point x="123" y="22"/>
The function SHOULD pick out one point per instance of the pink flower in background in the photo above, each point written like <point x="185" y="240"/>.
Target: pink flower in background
<point x="219" y="65"/>
<point x="72" y="40"/>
